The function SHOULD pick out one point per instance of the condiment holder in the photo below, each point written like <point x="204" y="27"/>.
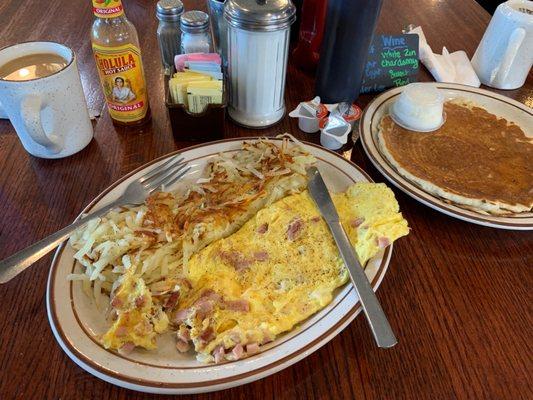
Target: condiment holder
<point x="420" y="108"/>
<point x="204" y="126"/>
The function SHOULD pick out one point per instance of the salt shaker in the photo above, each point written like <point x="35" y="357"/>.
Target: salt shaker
<point x="168" y="13"/>
<point x="257" y="50"/>
<point x="195" y="36"/>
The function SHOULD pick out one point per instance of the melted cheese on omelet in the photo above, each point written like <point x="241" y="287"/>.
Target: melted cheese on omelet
<point x="284" y="264"/>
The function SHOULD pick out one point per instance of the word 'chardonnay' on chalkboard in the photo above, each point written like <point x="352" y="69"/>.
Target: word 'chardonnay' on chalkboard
<point x="392" y="61"/>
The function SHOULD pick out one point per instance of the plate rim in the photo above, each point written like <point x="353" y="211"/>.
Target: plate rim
<point x="409" y="188"/>
<point x="217" y="384"/>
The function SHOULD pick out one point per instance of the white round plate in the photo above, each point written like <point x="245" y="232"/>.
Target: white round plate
<point x="494" y="103"/>
<point x="76" y="323"/>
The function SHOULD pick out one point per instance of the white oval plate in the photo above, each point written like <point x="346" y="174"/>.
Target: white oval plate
<point x="494" y="103"/>
<point x="76" y="323"/>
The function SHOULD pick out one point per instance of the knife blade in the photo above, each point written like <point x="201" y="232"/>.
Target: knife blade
<point x="381" y="329"/>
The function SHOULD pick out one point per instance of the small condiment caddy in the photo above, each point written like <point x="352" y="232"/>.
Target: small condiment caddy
<point x="195" y="93"/>
<point x="196" y="98"/>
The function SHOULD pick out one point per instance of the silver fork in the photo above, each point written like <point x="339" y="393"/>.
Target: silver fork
<point x="136" y="192"/>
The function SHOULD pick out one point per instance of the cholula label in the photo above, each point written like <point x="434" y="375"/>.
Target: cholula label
<point x="123" y="82"/>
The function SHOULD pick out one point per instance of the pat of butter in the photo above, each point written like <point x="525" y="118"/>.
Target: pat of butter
<point x="419" y="108"/>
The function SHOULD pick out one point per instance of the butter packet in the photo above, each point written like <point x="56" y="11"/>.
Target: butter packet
<point x="213" y="74"/>
<point x="200" y="94"/>
<point x="178" y="84"/>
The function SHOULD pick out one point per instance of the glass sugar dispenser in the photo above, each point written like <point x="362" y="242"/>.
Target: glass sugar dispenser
<point x="257" y="51"/>
<point x="195" y="34"/>
<point x="168" y="13"/>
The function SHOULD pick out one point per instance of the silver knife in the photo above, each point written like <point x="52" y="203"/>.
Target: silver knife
<point x="375" y="316"/>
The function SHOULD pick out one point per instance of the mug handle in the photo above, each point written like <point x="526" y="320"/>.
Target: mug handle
<point x="30" y="111"/>
<point x="499" y="74"/>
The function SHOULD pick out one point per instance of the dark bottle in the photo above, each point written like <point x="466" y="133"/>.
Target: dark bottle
<point x="295" y="27"/>
<point x="348" y="33"/>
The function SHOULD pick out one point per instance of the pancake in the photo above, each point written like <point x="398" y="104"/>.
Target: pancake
<point x="476" y="160"/>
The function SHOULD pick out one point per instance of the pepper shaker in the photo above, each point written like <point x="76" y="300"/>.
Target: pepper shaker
<point x="257" y="50"/>
<point x="168" y="13"/>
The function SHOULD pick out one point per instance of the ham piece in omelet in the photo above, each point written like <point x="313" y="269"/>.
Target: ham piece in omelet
<point x="281" y="267"/>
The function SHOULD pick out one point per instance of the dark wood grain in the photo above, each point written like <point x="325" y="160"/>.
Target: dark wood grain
<point x="458" y="295"/>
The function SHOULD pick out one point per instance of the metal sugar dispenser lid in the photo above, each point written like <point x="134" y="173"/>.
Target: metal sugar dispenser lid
<point x="194" y="22"/>
<point x="169" y="10"/>
<point x="260" y="15"/>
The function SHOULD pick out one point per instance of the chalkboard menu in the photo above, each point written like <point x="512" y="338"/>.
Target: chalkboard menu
<point x="392" y="61"/>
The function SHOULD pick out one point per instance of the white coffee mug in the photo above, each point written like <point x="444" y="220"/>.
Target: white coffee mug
<point x="49" y="113"/>
<point x="505" y="54"/>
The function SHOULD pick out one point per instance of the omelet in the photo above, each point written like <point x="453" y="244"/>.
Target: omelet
<point x="280" y="268"/>
<point x="138" y="319"/>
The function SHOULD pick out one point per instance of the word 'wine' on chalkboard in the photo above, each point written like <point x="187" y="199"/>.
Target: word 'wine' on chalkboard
<point x="392" y="61"/>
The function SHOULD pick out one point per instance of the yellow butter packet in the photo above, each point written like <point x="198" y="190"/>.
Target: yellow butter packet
<point x="200" y="94"/>
<point x="188" y="73"/>
<point x="178" y="85"/>
<point x="212" y="84"/>
<point x="180" y="88"/>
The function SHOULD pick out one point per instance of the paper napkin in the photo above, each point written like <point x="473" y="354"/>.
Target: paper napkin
<point x="446" y="67"/>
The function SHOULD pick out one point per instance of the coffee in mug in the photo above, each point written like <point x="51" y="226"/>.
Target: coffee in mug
<point x="32" y="66"/>
<point x="41" y="93"/>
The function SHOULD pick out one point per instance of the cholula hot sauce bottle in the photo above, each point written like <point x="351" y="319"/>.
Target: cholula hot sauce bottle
<point x="118" y="60"/>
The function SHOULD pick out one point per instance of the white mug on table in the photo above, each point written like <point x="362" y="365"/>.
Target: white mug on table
<point x="49" y="113"/>
<point x="505" y="54"/>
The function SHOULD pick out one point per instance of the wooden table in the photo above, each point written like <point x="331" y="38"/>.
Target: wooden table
<point x="457" y="294"/>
